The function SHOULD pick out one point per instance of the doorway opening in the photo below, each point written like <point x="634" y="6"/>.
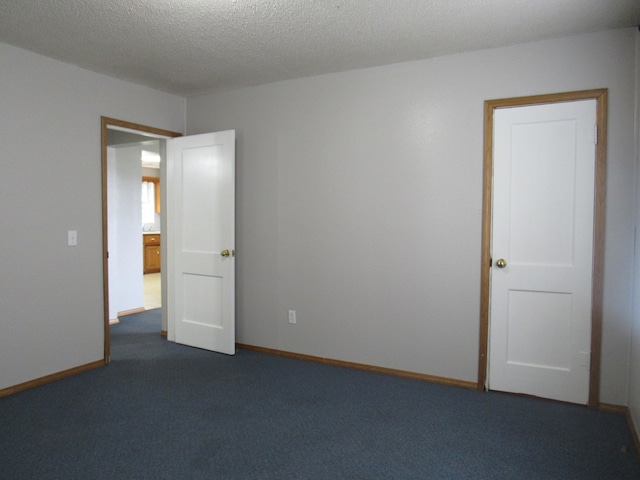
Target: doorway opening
<point x="115" y="131"/>
<point x="600" y="97"/>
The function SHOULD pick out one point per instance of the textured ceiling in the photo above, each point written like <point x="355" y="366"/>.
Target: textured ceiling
<point x="189" y="47"/>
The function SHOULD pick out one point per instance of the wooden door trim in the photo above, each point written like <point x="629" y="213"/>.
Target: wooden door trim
<point x="600" y="95"/>
<point x="105" y="123"/>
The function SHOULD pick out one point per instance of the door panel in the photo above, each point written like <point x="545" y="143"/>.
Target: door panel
<point x="552" y="312"/>
<point x="543" y="203"/>
<point x="200" y="217"/>
<point x="538" y="171"/>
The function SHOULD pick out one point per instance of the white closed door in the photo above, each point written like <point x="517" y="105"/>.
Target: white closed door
<point x="542" y="250"/>
<point x="201" y="241"/>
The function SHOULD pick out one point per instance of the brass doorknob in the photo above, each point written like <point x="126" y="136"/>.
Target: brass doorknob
<point x="501" y="263"/>
<point x="225" y="253"/>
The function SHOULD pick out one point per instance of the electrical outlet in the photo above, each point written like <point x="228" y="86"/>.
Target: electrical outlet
<point x="292" y="316"/>
<point x="72" y="238"/>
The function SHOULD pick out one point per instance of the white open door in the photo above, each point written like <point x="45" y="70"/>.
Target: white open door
<point x="201" y="241"/>
<point x="542" y="250"/>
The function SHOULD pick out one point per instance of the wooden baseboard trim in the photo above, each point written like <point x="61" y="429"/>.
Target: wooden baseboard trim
<point x="50" y="378"/>
<point x="163" y="333"/>
<point x="611" y="408"/>
<point x="114" y="321"/>
<point x="131" y="312"/>
<point x="361" y="366"/>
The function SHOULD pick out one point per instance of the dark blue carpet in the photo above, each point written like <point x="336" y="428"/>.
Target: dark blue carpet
<point x="166" y="411"/>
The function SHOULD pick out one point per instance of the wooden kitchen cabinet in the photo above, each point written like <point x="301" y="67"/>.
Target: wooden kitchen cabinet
<point x="151" y="249"/>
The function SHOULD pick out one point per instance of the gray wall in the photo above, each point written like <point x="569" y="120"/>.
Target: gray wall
<point x="634" y="367"/>
<point x="126" y="286"/>
<point x="51" y="315"/>
<point x="359" y="202"/>
<point x="156" y="226"/>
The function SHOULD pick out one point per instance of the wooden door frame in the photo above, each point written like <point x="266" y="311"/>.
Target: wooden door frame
<point x="105" y="123"/>
<point x="600" y="95"/>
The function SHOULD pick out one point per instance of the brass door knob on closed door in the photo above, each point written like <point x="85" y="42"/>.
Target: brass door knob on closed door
<point x="225" y="253"/>
<point x="501" y="263"/>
